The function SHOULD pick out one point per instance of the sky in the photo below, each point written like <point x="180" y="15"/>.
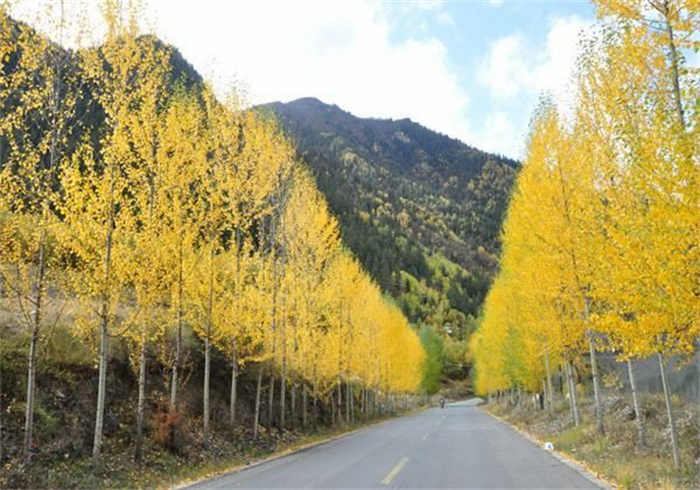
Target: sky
<point x="473" y="70"/>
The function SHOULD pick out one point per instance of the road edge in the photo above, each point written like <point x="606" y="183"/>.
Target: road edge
<point x="575" y="465"/>
<point x="287" y="452"/>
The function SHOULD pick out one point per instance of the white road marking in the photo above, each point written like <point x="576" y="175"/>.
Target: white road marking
<point x="392" y="474"/>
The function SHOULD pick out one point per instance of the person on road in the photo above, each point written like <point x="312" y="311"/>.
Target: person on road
<point x="442" y="402"/>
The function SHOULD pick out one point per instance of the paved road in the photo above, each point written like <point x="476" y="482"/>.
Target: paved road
<point x="459" y="446"/>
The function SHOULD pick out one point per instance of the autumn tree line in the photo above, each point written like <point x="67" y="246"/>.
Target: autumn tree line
<point x="180" y="210"/>
<point x="602" y="236"/>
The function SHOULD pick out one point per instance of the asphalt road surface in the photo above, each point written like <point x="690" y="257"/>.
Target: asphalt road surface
<point x="459" y="446"/>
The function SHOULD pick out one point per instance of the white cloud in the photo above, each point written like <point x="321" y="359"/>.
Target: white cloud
<point x="501" y="135"/>
<point x="347" y="53"/>
<point x="504" y="72"/>
<point x="340" y="52"/>
<point x="495" y="3"/>
<point x="514" y="69"/>
<point x="513" y="65"/>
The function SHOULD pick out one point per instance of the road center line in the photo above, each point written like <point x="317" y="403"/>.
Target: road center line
<point x="392" y="474"/>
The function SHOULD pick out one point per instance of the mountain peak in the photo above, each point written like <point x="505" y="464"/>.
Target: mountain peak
<point x="417" y="207"/>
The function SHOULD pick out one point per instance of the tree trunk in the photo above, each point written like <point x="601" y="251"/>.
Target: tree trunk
<point x="669" y="411"/>
<point x="293" y="407"/>
<point x="573" y="395"/>
<point x="550" y="389"/>
<point x="315" y="401"/>
<point x="675" y="77"/>
<point x="340" y="400"/>
<point x="270" y="401"/>
<point x="363" y="401"/>
<point x="256" y="419"/>
<point x="141" y="404"/>
<point x="596" y="386"/>
<point x="594" y="371"/>
<point x="348" y="403"/>
<point x="104" y="330"/>
<point x="178" y="338"/>
<point x="304" y="416"/>
<point x="234" y="387"/>
<point x="283" y="392"/>
<point x="207" y="347"/>
<point x="101" y="389"/>
<point x="333" y="418"/>
<point x="639" y="414"/>
<point x="31" y="371"/>
<point x="29" y="409"/>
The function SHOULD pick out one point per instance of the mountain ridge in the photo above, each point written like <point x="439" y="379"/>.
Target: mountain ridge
<point x="420" y="209"/>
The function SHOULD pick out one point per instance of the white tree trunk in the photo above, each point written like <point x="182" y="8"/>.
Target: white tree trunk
<point x="178" y="339"/>
<point x="256" y="419"/>
<point x="669" y="411"/>
<point x="596" y="387"/>
<point x="31" y="371"/>
<point x="141" y="404"/>
<point x="234" y="387"/>
<point x="639" y="414"/>
<point x="270" y="400"/>
<point x="304" y="403"/>
<point x="207" y="347"/>
<point x="101" y="390"/>
<point x="550" y="398"/>
<point x="573" y="394"/>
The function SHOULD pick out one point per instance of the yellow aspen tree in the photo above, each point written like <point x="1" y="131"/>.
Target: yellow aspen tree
<point x="98" y="211"/>
<point x="214" y="223"/>
<point x="149" y="275"/>
<point x="182" y="160"/>
<point x="650" y="164"/>
<point x="38" y="99"/>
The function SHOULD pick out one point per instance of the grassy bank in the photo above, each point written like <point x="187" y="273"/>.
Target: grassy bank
<point x="616" y="457"/>
<point x="162" y="468"/>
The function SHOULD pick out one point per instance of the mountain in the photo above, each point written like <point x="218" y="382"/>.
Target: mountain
<point x="422" y="211"/>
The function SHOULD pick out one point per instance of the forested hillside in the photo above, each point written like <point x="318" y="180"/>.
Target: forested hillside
<point x="420" y="210"/>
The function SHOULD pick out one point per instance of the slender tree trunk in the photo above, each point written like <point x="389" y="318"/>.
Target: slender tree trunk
<point x="340" y="400"/>
<point x="594" y="371"/>
<point x="304" y="402"/>
<point x="256" y="419"/>
<point x="31" y="382"/>
<point x="293" y="407"/>
<point x="34" y="340"/>
<point x="141" y="404"/>
<point x="333" y="418"/>
<point x="178" y="339"/>
<point x="550" y="389"/>
<point x="315" y="400"/>
<point x="270" y="400"/>
<point x="573" y="395"/>
<point x="348" y="403"/>
<point x="104" y="333"/>
<point x="207" y="347"/>
<point x="669" y="411"/>
<point x="283" y="389"/>
<point x="639" y="414"/>
<point x="673" y="56"/>
<point x="596" y="387"/>
<point x="234" y="387"/>
<point x="363" y="400"/>
<point x="101" y="389"/>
